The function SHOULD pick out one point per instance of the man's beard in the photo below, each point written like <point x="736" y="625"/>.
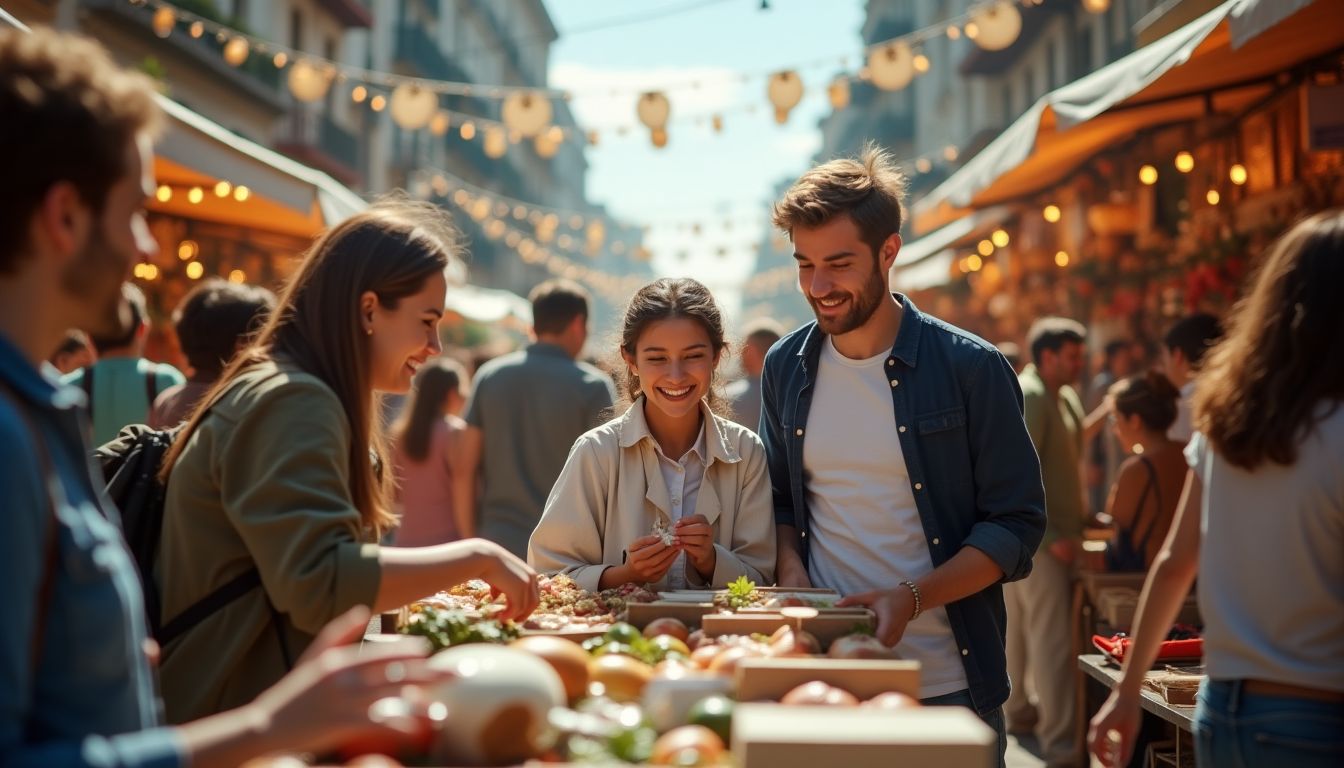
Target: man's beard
<point x="96" y="277"/>
<point x="861" y="307"/>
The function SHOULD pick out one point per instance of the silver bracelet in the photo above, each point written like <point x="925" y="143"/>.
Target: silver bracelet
<point x="914" y="589"/>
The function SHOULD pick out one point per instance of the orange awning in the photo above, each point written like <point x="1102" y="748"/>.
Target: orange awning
<point x="1181" y="77"/>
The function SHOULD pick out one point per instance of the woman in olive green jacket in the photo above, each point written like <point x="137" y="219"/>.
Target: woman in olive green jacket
<point x="282" y="468"/>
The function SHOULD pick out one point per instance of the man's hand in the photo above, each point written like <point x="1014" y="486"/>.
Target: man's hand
<point x="893" y="608"/>
<point x="695" y="535"/>
<point x="1064" y="550"/>
<point x="790" y="571"/>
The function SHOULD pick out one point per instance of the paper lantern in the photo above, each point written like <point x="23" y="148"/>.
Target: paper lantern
<point x="653" y="109"/>
<point x="997" y="26"/>
<point x="659" y="137"/>
<point x="716" y="122"/>
<point x="235" y="51"/>
<point x="413" y="106"/>
<point x="439" y="124"/>
<point x="1096" y="6"/>
<point x="892" y="66"/>
<point x="307" y="81"/>
<point x="496" y="141"/>
<point x="546" y="144"/>
<point x="163" y="22"/>
<point x="838" y="92"/>
<point x="527" y="112"/>
<point x="785" y="90"/>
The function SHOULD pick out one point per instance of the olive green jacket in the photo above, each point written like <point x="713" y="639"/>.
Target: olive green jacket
<point x="263" y="480"/>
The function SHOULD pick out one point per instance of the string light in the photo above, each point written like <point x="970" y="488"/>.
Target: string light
<point x="1237" y="174"/>
<point x="1062" y="258"/>
<point x="195" y="195"/>
<point x="1148" y="175"/>
<point x="237" y="276"/>
<point x="223" y="188"/>
<point x="195" y="269"/>
<point x="985" y="247"/>
<point x="164" y="193"/>
<point x="1213" y="197"/>
<point x="974" y="262"/>
<point x="187" y="250"/>
<point x="1051" y="213"/>
<point x="241" y="193"/>
<point x="1000" y="238"/>
<point x="1185" y="162"/>
<point x="358" y="94"/>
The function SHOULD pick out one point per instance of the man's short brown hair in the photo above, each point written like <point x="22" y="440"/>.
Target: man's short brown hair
<point x="555" y="304"/>
<point x="869" y="189"/>
<point x="69" y="114"/>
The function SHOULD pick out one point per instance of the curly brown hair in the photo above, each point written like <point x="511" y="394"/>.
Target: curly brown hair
<point x="70" y="113"/>
<point x="1262" y="388"/>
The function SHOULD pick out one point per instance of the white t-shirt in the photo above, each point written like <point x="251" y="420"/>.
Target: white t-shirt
<point x="1182" y="429"/>
<point x="683" y="478"/>
<point x="1271" y="563"/>
<point x="865" y="529"/>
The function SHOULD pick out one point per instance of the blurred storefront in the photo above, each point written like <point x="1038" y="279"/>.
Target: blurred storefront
<point x="1147" y="189"/>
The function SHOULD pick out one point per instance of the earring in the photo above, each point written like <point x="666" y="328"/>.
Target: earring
<point x="369" y="331"/>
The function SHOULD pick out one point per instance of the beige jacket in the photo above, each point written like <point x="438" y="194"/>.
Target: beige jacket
<point x="611" y="492"/>
<point x="262" y="481"/>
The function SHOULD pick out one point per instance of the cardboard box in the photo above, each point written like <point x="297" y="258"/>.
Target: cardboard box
<point x="826" y="627"/>
<point x="690" y="614"/>
<point x="770" y="679"/>
<point x="772" y="736"/>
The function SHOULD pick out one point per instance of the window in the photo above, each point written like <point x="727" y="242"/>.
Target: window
<point x="296" y="30"/>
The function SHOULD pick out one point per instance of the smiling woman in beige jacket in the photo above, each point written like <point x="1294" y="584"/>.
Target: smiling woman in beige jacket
<point x="669" y="493"/>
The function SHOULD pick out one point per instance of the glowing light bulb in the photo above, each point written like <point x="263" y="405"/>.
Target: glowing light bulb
<point x="1148" y="175"/>
<point x="1062" y="258"/>
<point x="1051" y="213"/>
<point x="1185" y="162"/>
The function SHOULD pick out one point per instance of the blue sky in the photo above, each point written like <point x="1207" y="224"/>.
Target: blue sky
<point x="701" y="176"/>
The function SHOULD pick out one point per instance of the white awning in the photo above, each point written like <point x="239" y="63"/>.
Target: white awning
<point x="488" y="305"/>
<point x="1225" y="60"/>
<point x="924" y="263"/>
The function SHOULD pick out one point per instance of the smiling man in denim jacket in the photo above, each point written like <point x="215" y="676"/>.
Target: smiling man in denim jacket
<point x="902" y="471"/>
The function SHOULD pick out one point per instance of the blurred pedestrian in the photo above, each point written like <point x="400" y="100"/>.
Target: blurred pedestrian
<point x="214" y="320"/>
<point x="427" y="458"/>
<point x="1142" y="501"/>
<point x="1261" y="522"/>
<point x="122" y="385"/>
<point x="75" y="352"/>
<point x="1183" y="350"/>
<point x="744" y="395"/>
<point x="526" y="410"/>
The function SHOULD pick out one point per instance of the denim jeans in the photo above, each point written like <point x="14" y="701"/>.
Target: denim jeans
<point x="1234" y="729"/>
<point x="963" y="699"/>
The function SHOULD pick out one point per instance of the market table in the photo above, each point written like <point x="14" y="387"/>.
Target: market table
<point x="1101" y="669"/>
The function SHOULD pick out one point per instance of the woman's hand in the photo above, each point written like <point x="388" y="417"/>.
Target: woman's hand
<point x="648" y="559"/>
<point x="1111" y="736"/>
<point x="695" y="535"/>
<point x="510" y="576"/>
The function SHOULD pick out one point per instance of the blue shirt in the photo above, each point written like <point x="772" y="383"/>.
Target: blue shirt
<point x="92" y="700"/>
<point x="973" y="470"/>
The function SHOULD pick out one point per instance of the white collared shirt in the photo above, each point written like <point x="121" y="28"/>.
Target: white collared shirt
<point x="683" y="478"/>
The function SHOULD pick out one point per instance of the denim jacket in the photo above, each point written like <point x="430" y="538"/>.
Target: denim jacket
<point x="974" y="472"/>
<point x="91" y="701"/>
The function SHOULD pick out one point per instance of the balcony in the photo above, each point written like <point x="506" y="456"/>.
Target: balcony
<point x="313" y="138"/>
<point x="256" y="77"/>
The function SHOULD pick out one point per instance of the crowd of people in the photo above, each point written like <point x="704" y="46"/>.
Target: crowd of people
<point x="876" y="451"/>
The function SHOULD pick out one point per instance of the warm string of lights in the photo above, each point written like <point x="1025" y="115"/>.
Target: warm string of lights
<point x="526" y="112"/>
<point x="198" y="193"/>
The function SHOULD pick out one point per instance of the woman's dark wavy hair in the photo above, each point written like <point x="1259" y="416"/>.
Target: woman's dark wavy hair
<point x="1151" y="395"/>
<point x="666" y="299"/>
<point x="1262" y="389"/>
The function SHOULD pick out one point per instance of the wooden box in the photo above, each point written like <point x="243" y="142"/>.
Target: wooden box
<point x="772" y="736"/>
<point x="770" y="679"/>
<point x="826" y="627"/>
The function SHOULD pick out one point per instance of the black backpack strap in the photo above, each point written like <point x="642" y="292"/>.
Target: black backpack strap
<point x="151" y="386"/>
<point x="202" y="609"/>
<point x="86" y="384"/>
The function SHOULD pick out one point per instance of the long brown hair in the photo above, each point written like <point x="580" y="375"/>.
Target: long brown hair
<point x="665" y="299"/>
<point x="391" y="248"/>
<point x="1261" y="389"/>
<point x="435" y="379"/>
